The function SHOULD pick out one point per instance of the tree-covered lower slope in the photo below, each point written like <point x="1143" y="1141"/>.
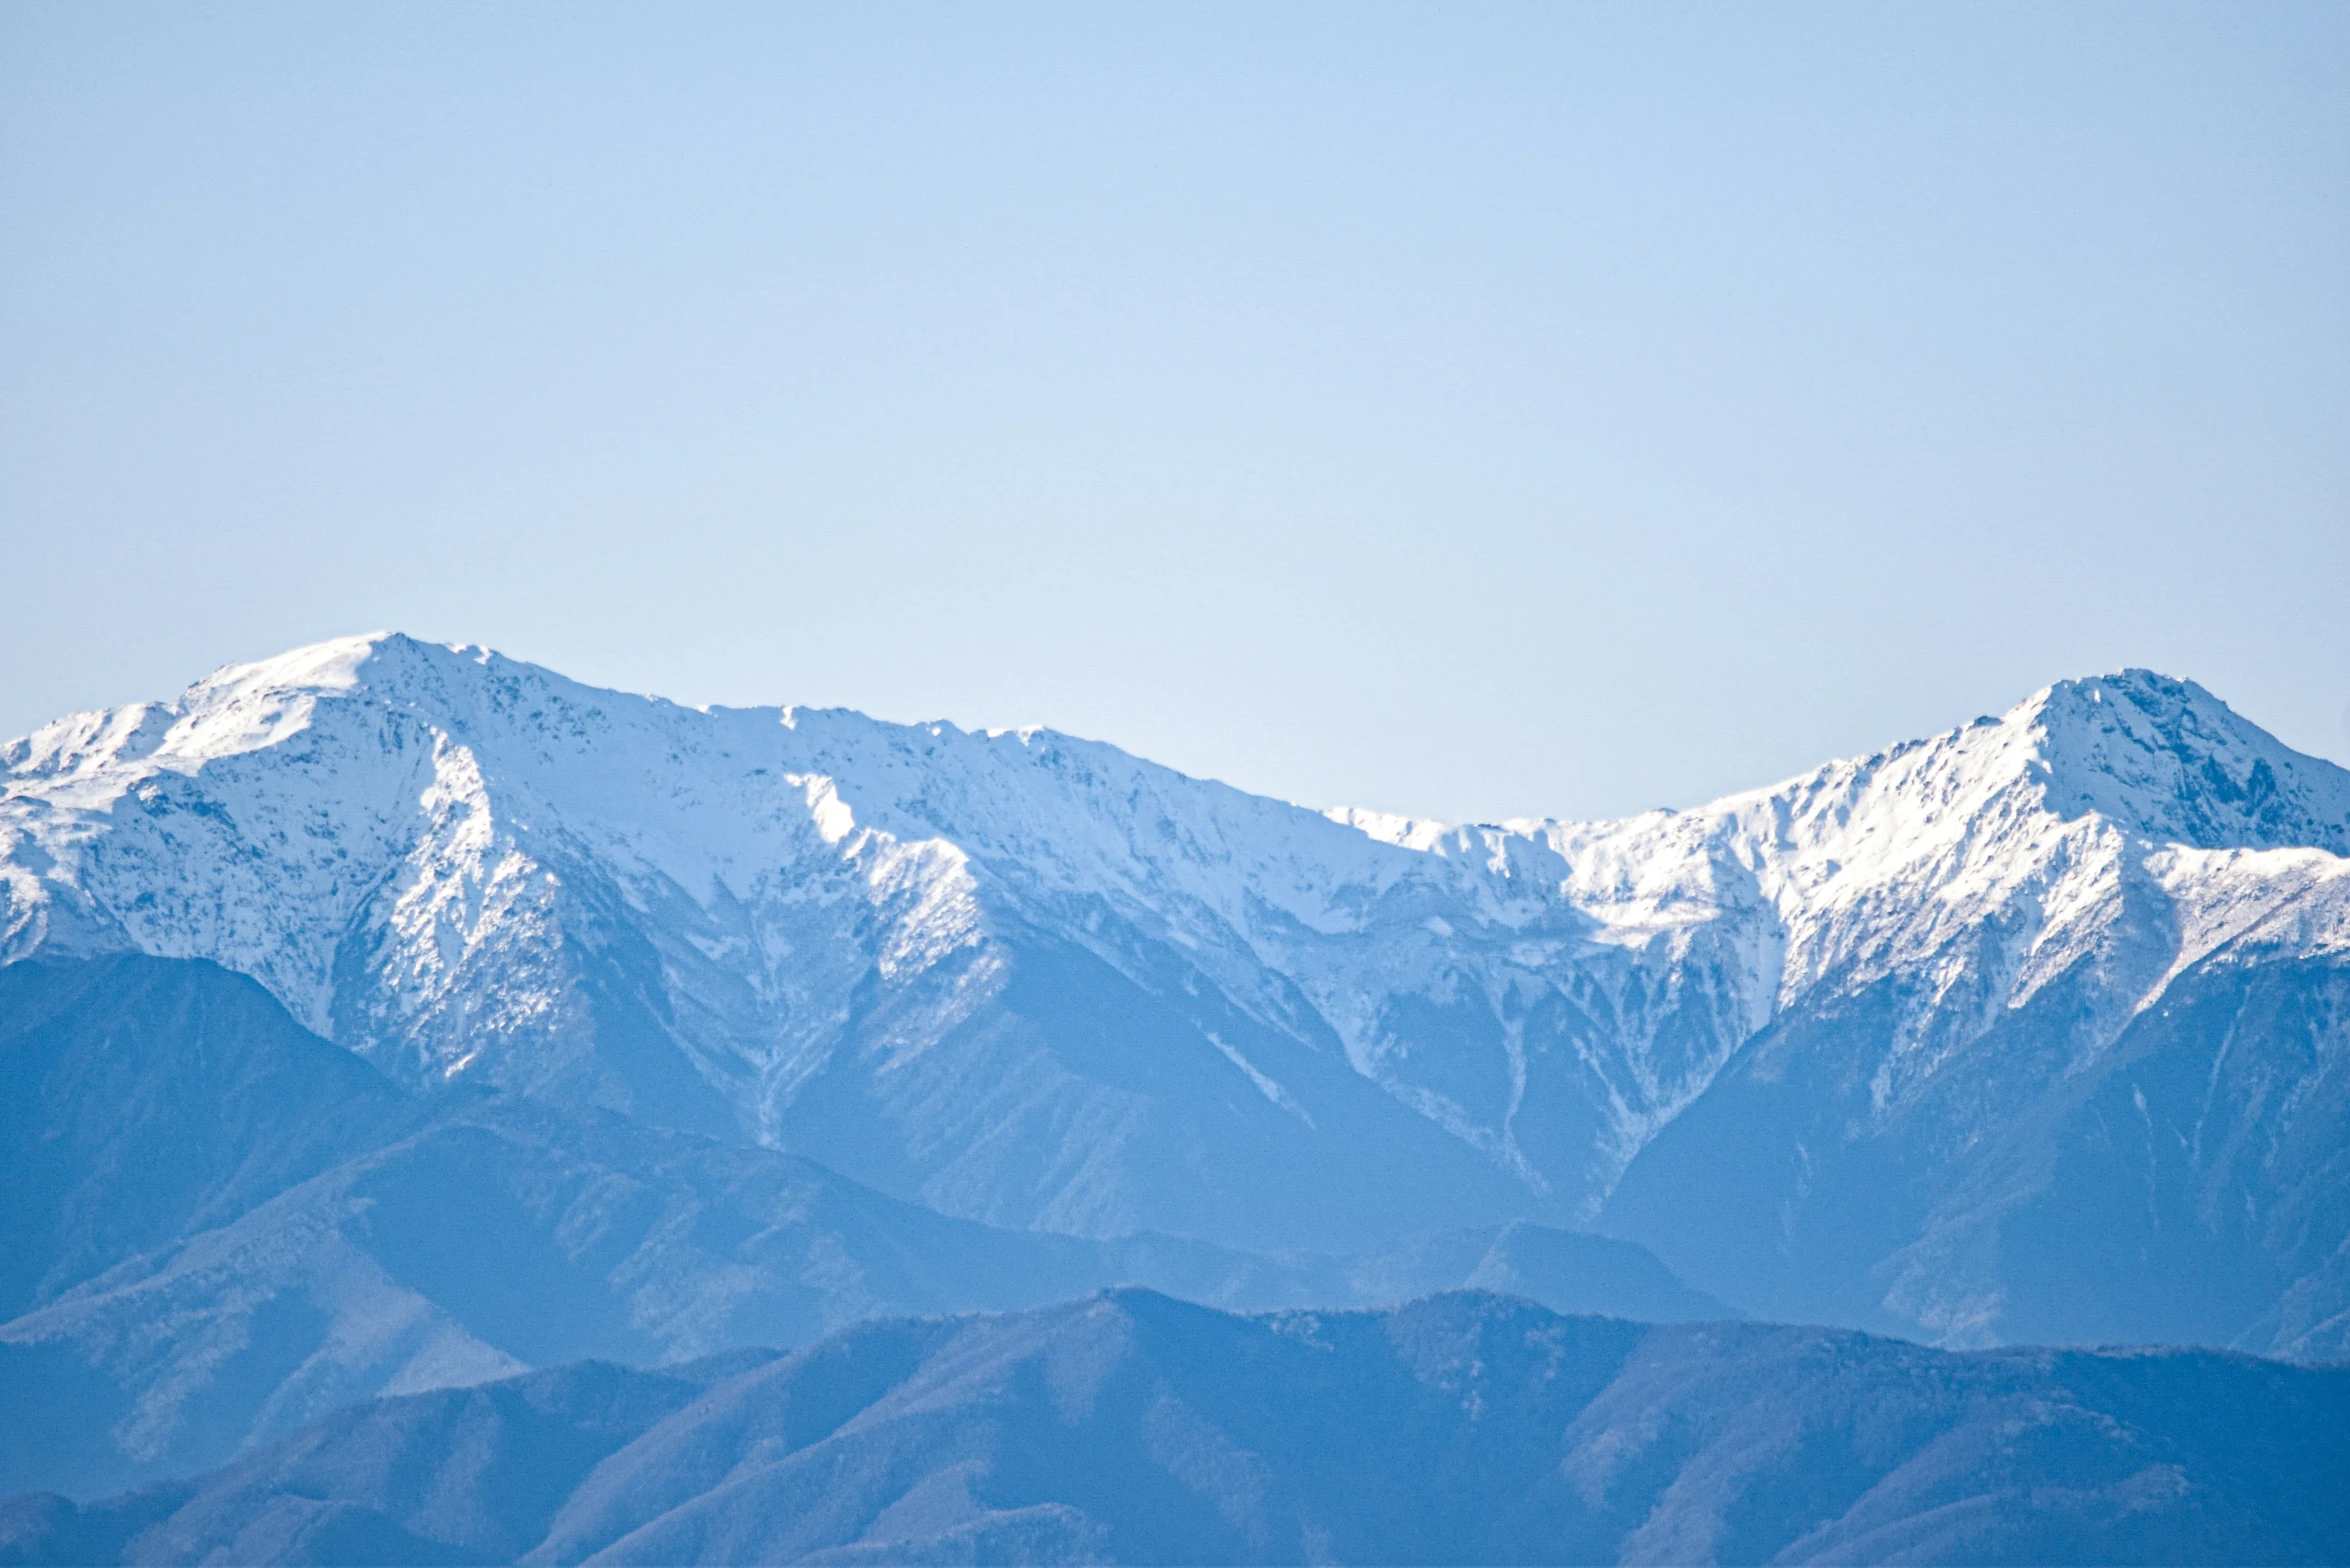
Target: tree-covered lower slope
<point x="215" y="1226"/>
<point x="1130" y="1427"/>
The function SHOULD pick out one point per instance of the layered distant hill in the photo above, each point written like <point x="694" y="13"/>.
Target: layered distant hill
<point x="217" y="1226"/>
<point x="2032" y="1030"/>
<point x="1133" y="1428"/>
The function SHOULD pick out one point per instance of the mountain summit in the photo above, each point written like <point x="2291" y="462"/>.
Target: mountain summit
<point x="2175" y="763"/>
<point x="1852" y="1047"/>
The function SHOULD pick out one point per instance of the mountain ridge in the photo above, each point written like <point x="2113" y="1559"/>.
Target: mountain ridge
<point x="1464" y="1427"/>
<point x="1032" y="981"/>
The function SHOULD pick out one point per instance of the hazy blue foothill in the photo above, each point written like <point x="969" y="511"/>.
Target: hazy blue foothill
<point x="220" y="1226"/>
<point x="1131" y="1427"/>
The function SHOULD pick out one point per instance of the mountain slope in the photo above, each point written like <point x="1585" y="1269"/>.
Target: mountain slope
<point x="1132" y="1428"/>
<point x="221" y="1226"/>
<point x="391" y="1243"/>
<point x="2190" y="1183"/>
<point x="1030" y="980"/>
<point x="2087" y="1079"/>
<point x="148" y="1101"/>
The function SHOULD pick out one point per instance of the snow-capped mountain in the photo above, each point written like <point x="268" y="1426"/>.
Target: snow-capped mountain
<point x="1032" y="980"/>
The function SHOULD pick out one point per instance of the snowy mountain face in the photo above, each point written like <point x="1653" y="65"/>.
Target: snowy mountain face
<point x="1032" y="980"/>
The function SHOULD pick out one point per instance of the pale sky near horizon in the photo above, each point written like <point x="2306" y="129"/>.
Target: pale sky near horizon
<point x="1474" y="410"/>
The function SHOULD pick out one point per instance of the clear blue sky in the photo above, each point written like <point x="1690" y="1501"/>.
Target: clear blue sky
<point x="1481" y="410"/>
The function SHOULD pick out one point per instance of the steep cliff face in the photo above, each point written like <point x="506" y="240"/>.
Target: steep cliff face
<point x="1032" y="980"/>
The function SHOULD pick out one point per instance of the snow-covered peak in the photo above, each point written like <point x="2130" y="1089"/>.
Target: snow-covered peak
<point x="2137" y="753"/>
<point x="719" y="802"/>
<point x="2168" y="760"/>
<point x="236" y="709"/>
